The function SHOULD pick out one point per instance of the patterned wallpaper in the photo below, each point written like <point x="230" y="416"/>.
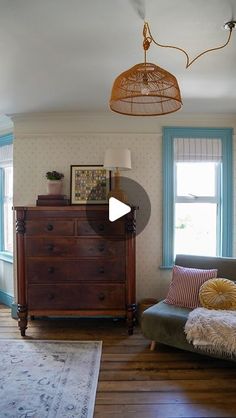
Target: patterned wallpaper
<point x="35" y="155"/>
<point x="38" y="149"/>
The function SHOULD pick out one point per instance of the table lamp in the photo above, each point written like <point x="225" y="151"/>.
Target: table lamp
<point x="117" y="159"/>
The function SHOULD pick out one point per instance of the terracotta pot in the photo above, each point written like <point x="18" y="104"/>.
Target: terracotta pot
<point x="54" y="186"/>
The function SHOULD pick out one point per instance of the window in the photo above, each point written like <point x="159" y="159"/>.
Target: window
<point x="197" y="208"/>
<point x="6" y="197"/>
<point x="197" y="192"/>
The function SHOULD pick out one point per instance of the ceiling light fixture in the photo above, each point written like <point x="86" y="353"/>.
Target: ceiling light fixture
<point x="149" y="90"/>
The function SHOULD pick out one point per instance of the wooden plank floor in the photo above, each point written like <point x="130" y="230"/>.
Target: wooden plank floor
<point x="134" y="382"/>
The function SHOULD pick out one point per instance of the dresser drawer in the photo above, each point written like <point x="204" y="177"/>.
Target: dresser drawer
<point x="50" y="227"/>
<point x="76" y="296"/>
<point x="101" y="227"/>
<point x="58" y="270"/>
<point x="74" y="247"/>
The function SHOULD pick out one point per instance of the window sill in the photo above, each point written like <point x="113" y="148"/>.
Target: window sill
<point x="6" y="256"/>
<point x="166" y="267"/>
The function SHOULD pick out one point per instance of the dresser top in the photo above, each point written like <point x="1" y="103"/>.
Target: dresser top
<point x="63" y="208"/>
<point x="71" y="208"/>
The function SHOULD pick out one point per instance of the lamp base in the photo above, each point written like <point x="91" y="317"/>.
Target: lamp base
<point x="119" y="195"/>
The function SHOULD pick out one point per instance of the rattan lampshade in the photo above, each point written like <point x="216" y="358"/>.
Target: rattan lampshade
<point x="145" y="90"/>
<point x="148" y="90"/>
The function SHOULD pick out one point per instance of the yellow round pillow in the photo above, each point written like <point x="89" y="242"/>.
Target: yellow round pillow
<point x="218" y="294"/>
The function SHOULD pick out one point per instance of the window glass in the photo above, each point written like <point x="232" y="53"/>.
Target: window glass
<point x="7" y="209"/>
<point x="196" y="179"/>
<point x="6" y="167"/>
<point x="196" y="228"/>
<point x="196" y="225"/>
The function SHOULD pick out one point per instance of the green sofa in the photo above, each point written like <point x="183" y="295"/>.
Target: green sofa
<point x="165" y="323"/>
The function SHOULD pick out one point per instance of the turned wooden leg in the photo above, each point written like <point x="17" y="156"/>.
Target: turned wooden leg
<point x="153" y="345"/>
<point x="22" y="318"/>
<point x="131" y="311"/>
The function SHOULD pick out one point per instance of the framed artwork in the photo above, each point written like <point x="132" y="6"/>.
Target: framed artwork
<point x="89" y="184"/>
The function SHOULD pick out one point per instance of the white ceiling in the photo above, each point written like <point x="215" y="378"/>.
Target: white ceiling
<point x="63" y="55"/>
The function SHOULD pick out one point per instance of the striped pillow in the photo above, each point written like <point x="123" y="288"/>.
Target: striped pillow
<point x="185" y="285"/>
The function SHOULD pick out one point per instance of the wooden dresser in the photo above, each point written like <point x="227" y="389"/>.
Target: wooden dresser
<point x="73" y="261"/>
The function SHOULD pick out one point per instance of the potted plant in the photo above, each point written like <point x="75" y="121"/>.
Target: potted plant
<point x="54" y="184"/>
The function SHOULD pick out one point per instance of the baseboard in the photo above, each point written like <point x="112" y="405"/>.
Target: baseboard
<point x="6" y="299"/>
<point x="14" y="311"/>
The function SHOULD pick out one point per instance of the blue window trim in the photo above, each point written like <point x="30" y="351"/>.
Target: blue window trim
<point x="6" y="256"/>
<point x="225" y="135"/>
<point x="6" y="139"/>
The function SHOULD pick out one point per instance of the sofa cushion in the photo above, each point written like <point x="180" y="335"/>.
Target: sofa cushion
<point x="185" y="285"/>
<point x="165" y="323"/>
<point x="218" y="294"/>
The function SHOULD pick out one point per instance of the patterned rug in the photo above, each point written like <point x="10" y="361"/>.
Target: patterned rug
<point x="48" y="379"/>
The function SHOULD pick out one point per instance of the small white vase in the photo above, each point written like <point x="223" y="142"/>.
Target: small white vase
<point x="54" y="186"/>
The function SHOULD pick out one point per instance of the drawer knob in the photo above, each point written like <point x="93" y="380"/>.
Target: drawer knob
<point x="49" y="227"/>
<point x="101" y="227"/>
<point x="50" y="269"/>
<point x="50" y="247"/>
<point x="101" y="270"/>
<point x="101" y="248"/>
<point x="101" y="296"/>
<point x="51" y="296"/>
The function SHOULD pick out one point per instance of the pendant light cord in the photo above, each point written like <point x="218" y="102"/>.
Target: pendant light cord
<point x="148" y="38"/>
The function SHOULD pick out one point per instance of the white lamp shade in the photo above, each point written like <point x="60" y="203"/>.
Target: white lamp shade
<point x="117" y="158"/>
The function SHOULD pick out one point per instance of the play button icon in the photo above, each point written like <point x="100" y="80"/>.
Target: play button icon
<point x="117" y="209"/>
<point x="137" y="201"/>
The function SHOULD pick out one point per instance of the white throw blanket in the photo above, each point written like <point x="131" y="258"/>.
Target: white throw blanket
<point x="213" y="331"/>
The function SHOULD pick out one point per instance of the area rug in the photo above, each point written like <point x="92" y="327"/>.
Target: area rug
<point x="48" y="379"/>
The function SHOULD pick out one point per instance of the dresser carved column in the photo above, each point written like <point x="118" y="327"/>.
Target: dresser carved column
<point x="130" y="227"/>
<point x="21" y="285"/>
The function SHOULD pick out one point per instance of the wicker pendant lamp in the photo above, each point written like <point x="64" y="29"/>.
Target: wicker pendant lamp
<point x="148" y="90"/>
<point x="145" y="90"/>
